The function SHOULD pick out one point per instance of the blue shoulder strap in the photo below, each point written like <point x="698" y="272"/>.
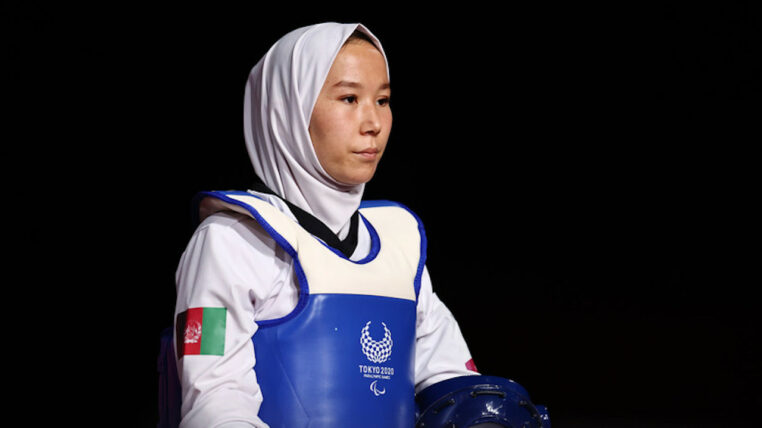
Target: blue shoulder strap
<point x="421" y="231"/>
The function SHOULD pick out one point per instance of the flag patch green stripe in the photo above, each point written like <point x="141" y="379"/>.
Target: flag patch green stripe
<point x="213" y="331"/>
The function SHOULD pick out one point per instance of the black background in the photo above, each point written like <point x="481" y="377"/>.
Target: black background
<point x="585" y="175"/>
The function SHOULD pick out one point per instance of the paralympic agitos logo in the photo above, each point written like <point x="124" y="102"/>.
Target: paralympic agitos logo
<point x="377" y="351"/>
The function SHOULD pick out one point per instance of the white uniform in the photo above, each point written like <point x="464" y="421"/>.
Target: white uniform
<point x="231" y="262"/>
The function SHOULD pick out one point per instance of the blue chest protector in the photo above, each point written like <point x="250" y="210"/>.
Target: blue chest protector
<point x="346" y="353"/>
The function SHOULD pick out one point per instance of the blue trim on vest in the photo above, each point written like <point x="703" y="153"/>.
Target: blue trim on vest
<point x="375" y="242"/>
<point x="421" y="231"/>
<point x="375" y="245"/>
<point x="280" y="240"/>
<point x="301" y="277"/>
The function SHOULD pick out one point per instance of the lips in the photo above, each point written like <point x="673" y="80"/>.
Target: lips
<point x="369" y="153"/>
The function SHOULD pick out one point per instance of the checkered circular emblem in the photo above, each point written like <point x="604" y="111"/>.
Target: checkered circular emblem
<point x="376" y="351"/>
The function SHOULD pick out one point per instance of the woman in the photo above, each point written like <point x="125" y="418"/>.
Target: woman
<point x="327" y="297"/>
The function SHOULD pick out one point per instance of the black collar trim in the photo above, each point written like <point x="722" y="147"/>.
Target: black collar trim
<point x="317" y="228"/>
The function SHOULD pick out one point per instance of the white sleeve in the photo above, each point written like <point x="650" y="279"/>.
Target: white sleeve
<point x="441" y="352"/>
<point x="232" y="263"/>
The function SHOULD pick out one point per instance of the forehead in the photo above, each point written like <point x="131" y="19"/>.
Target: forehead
<point x="358" y="61"/>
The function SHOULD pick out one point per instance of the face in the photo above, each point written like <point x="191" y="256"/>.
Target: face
<point x="351" y="121"/>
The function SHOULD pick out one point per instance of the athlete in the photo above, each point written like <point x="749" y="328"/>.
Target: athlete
<point x="300" y="304"/>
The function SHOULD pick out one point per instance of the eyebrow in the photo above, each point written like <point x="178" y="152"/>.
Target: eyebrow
<point x="349" y="84"/>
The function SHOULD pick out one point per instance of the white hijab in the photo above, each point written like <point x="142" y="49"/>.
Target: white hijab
<point x="281" y="92"/>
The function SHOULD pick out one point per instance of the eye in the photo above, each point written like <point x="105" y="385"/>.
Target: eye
<point x="349" y="99"/>
<point x="383" y="101"/>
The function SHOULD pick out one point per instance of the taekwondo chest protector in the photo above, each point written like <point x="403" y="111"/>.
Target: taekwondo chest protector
<point x="345" y="355"/>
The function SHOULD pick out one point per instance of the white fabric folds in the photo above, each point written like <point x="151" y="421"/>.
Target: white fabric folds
<point x="280" y="95"/>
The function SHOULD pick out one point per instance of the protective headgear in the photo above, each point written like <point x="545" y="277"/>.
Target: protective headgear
<point x="469" y="401"/>
<point x="280" y="95"/>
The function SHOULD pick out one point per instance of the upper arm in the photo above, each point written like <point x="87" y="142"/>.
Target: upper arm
<point x="441" y="350"/>
<point x="229" y="263"/>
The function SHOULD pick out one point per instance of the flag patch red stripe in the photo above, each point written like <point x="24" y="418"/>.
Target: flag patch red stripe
<point x="191" y="332"/>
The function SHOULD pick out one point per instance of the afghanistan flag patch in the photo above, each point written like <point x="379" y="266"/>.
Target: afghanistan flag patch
<point x="201" y="331"/>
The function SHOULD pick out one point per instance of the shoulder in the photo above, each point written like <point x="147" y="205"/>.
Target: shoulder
<point x="384" y="204"/>
<point x="374" y="203"/>
<point x="231" y="248"/>
<point x="392" y="215"/>
<point x="222" y="220"/>
<point x="231" y="235"/>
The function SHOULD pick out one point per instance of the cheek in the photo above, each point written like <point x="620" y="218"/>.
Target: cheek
<point x="320" y="130"/>
<point x="328" y="131"/>
<point x="328" y="124"/>
<point x="386" y="124"/>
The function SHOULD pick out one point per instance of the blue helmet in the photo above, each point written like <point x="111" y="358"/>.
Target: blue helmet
<point x="469" y="401"/>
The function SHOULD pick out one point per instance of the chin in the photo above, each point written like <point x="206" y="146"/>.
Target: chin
<point x="358" y="178"/>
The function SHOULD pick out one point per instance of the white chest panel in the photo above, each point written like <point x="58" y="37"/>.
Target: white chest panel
<point x="389" y="270"/>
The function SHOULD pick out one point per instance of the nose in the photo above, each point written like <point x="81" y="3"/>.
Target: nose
<point x="371" y="121"/>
